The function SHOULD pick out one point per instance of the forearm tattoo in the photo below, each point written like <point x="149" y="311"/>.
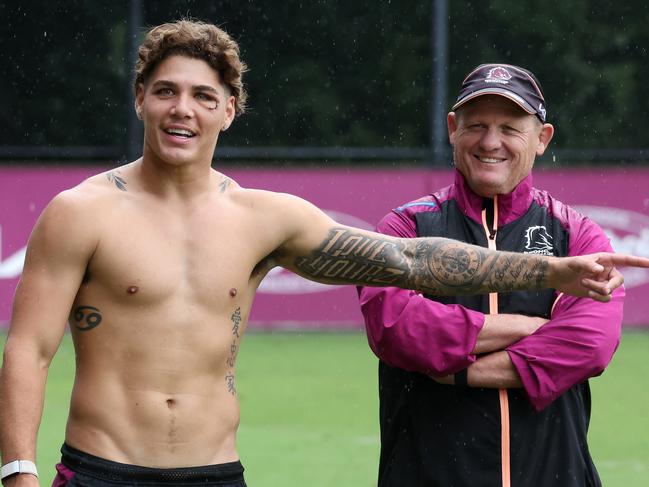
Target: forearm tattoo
<point x="236" y="319"/>
<point x="85" y="318"/>
<point x="431" y="265"/>
<point x="115" y="178"/>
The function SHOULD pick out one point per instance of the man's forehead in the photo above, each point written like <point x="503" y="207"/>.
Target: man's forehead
<point x="186" y="71"/>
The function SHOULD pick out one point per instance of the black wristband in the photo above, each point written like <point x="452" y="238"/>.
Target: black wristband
<point x="461" y="378"/>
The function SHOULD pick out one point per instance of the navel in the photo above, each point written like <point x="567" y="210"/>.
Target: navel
<point x="132" y="290"/>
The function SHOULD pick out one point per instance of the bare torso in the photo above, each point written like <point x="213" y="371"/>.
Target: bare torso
<point x="157" y="324"/>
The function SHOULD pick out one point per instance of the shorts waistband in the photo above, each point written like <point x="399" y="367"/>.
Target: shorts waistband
<point x="97" y="467"/>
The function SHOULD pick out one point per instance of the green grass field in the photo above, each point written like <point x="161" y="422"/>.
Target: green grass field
<point x="309" y="411"/>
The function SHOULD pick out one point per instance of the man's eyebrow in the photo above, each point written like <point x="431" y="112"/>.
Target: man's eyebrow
<point x="205" y="88"/>
<point x="164" y="82"/>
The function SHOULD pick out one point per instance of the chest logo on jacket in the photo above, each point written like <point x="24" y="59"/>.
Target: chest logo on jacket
<point x="538" y="241"/>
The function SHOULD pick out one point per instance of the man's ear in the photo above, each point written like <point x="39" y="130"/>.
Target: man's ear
<point x="139" y="100"/>
<point x="230" y="112"/>
<point x="451" y="123"/>
<point x="545" y="136"/>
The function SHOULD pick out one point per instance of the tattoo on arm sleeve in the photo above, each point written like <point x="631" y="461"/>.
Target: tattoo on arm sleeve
<point x="431" y="265"/>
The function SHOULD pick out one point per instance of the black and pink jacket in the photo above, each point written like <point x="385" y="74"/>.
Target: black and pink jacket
<point x="440" y="435"/>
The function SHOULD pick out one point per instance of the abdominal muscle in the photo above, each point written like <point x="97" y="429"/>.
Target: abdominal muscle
<point x="161" y="395"/>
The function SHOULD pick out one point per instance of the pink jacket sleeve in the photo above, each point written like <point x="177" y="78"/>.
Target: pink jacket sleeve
<point x="579" y="340"/>
<point x="411" y="332"/>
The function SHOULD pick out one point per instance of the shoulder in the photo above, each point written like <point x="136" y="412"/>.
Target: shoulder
<point x="78" y="209"/>
<point x="401" y="221"/>
<point x="269" y="202"/>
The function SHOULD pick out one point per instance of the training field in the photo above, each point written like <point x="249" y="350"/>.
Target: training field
<point x="309" y="411"/>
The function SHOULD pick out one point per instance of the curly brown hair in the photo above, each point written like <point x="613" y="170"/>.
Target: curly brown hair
<point x="198" y="40"/>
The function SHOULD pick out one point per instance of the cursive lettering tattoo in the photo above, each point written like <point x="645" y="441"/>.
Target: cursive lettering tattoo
<point x="236" y="319"/>
<point x="433" y="265"/>
<point x="115" y="178"/>
<point x="86" y="318"/>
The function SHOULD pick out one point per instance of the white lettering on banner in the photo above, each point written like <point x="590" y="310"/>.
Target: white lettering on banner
<point x="281" y="281"/>
<point x="629" y="234"/>
<point x="12" y="267"/>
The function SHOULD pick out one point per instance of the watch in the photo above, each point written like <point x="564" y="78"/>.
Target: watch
<point x="18" y="466"/>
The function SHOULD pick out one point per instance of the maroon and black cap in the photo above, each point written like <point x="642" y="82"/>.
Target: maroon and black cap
<point x="517" y="84"/>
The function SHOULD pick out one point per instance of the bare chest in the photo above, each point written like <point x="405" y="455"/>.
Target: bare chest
<point x="194" y="256"/>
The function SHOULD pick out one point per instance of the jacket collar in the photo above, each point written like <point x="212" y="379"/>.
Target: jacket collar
<point x="511" y="206"/>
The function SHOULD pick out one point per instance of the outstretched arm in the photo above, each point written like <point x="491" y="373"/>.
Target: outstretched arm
<point x="441" y="266"/>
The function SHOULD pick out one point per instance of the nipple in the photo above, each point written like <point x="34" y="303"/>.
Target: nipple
<point x="132" y="290"/>
<point x="233" y="291"/>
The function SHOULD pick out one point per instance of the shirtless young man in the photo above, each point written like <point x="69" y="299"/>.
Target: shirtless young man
<point x="156" y="264"/>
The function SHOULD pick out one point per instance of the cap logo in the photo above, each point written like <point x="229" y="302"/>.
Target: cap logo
<point x="498" y="75"/>
<point x="541" y="110"/>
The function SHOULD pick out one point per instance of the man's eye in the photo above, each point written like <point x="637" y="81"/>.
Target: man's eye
<point x="164" y="92"/>
<point x="206" y="100"/>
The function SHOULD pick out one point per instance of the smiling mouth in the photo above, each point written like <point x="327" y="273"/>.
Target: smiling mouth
<point x="187" y="134"/>
<point x="489" y="160"/>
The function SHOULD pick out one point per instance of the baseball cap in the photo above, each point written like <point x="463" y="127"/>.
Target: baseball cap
<point x="513" y="82"/>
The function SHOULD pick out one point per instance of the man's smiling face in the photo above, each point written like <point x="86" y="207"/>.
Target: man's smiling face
<point x="495" y="143"/>
<point x="184" y="106"/>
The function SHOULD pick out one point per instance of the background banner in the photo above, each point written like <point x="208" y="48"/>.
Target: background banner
<point x="617" y="199"/>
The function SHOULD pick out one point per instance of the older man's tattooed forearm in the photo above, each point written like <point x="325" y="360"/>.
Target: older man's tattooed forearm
<point x="431" y="265"/>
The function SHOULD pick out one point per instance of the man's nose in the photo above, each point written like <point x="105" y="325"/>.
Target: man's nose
<point x="490" y="140"/>
<point x="183" y="107"/>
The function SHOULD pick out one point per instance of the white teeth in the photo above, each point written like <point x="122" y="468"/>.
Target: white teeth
<point x="180" y="132"/>
<point x="489" y="160"/>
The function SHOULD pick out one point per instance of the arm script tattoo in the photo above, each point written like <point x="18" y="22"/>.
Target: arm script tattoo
<point x="431" y="265"/>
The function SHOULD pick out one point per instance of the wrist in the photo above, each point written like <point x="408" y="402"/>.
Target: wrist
<point x="548" y="280"/>
<point x="17" y="467"/>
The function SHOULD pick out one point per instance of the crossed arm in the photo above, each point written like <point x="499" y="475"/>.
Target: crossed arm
<point x="411" y="332"/>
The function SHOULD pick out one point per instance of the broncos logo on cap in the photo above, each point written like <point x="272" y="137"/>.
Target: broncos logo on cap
<point x="499" y="73"/>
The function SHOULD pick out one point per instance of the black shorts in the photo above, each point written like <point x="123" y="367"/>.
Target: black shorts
<point x="79" y="469"/>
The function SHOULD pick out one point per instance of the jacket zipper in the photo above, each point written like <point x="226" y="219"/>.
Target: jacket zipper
<point x="491" y="230"/>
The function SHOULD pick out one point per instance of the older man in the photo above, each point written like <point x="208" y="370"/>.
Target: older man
<point x="491" y="390"/>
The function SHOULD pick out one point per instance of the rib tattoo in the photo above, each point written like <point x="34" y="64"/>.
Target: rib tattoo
<point x="86" y="318"/>
<point x="234" y="347"/>
<point x="431" y="265"/>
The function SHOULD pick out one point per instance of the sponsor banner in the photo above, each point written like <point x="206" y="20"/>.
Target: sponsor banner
<point x="617" y="199"/>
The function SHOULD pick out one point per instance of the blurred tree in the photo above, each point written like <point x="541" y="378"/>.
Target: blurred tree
<point x="63" y="72"/>
<point x="330" y="73"/>
<point x="590" y="56"/>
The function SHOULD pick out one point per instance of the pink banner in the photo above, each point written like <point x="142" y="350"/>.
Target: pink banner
<point x="618" y="199"/>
